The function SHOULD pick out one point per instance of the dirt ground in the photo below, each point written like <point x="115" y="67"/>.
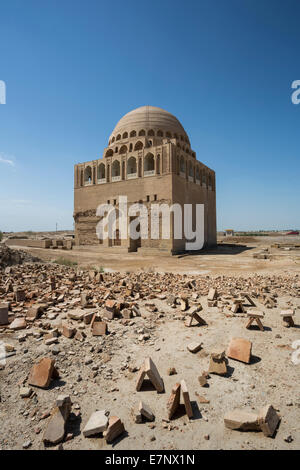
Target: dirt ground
<point x="230" y="257"/>
<point x="270" y="378"/>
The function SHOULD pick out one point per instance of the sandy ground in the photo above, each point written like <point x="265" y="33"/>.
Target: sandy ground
<point x="233" y="259"/>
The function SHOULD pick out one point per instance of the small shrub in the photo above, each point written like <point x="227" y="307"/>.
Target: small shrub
<point x="65" y="262"/>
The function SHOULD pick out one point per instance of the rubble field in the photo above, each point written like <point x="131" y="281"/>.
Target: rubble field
<point x="9" y="257"/>
<point x="147" y="360"/>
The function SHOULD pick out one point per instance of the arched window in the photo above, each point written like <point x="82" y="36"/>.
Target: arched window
<point x="101" y="171"/>
<point x="149" y="164"/>
<point x="81" y="178"/>
<point x="108" y="173"/>
<point x="132" y="134"/>
<point x="115" y="169"/>
<point x="203" y="177"/>
<point x="142" y="132"/>
<point x="123" y="170"/>
<point x="140" y="167"/>
<point x="123" y="149"/>
<point x="116" y="150"/>
<point x="139" y="145"/>
<point x="151" y="132"/>
<point x="130" y="147"/>
<point x="118" y="137"/>
<point x="191" y="171"/>
<point x="125" y="135"/>
<point x="113" y="139"/>
<point x="160" y="133"/>
<point x="168" y="134"/>
<point x="88" y="175"/>
<point x="131" y="166"/>
<point x="197" y="174"/>
<point x="109" y="153"/>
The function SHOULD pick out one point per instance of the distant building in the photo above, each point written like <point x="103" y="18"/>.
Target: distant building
<point x="229" y="233"/>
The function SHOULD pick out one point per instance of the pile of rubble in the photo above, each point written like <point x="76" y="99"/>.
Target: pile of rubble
<point x="51" y="304"/>
<point x="10" y="257"/>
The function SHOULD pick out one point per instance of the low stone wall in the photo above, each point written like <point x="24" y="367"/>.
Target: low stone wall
<point x="27" y="242"/>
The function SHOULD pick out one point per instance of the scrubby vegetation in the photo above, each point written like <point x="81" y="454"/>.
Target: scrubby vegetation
<point x="65" y="262"/>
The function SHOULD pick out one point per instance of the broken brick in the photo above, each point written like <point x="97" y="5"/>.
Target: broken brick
<point x="41" y="373"/>
<point x="114" y="430"/>
<point x="174" y="400"/>
<point x="240" y="349"/>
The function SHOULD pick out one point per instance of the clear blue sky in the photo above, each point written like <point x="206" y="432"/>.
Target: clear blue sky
<point x="224" y="68"/>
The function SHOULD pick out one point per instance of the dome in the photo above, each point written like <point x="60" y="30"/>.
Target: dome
<point x="149" y="118"/>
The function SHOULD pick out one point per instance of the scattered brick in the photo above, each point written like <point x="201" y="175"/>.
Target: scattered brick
<point x="268" y="420"/>
<point x="96" y="424"/>
<point x="41" y="373"/>
<point x="114" y="430"/>
<point x="174" y="400"/>
<point x="240" y="349"/>
<point x="218" y="362"/>
<point x="186" y="399"/>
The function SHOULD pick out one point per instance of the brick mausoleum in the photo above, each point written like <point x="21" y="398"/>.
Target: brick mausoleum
<point x="148" y="159"/>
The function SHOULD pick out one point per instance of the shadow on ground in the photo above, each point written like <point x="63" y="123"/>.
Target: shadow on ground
<point x="221" y="249"/>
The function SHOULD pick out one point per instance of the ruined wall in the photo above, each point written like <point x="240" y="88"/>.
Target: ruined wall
<point x="28" y="242"/>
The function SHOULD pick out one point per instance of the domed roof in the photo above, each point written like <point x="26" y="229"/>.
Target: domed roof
<point x="149" y="117"/>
